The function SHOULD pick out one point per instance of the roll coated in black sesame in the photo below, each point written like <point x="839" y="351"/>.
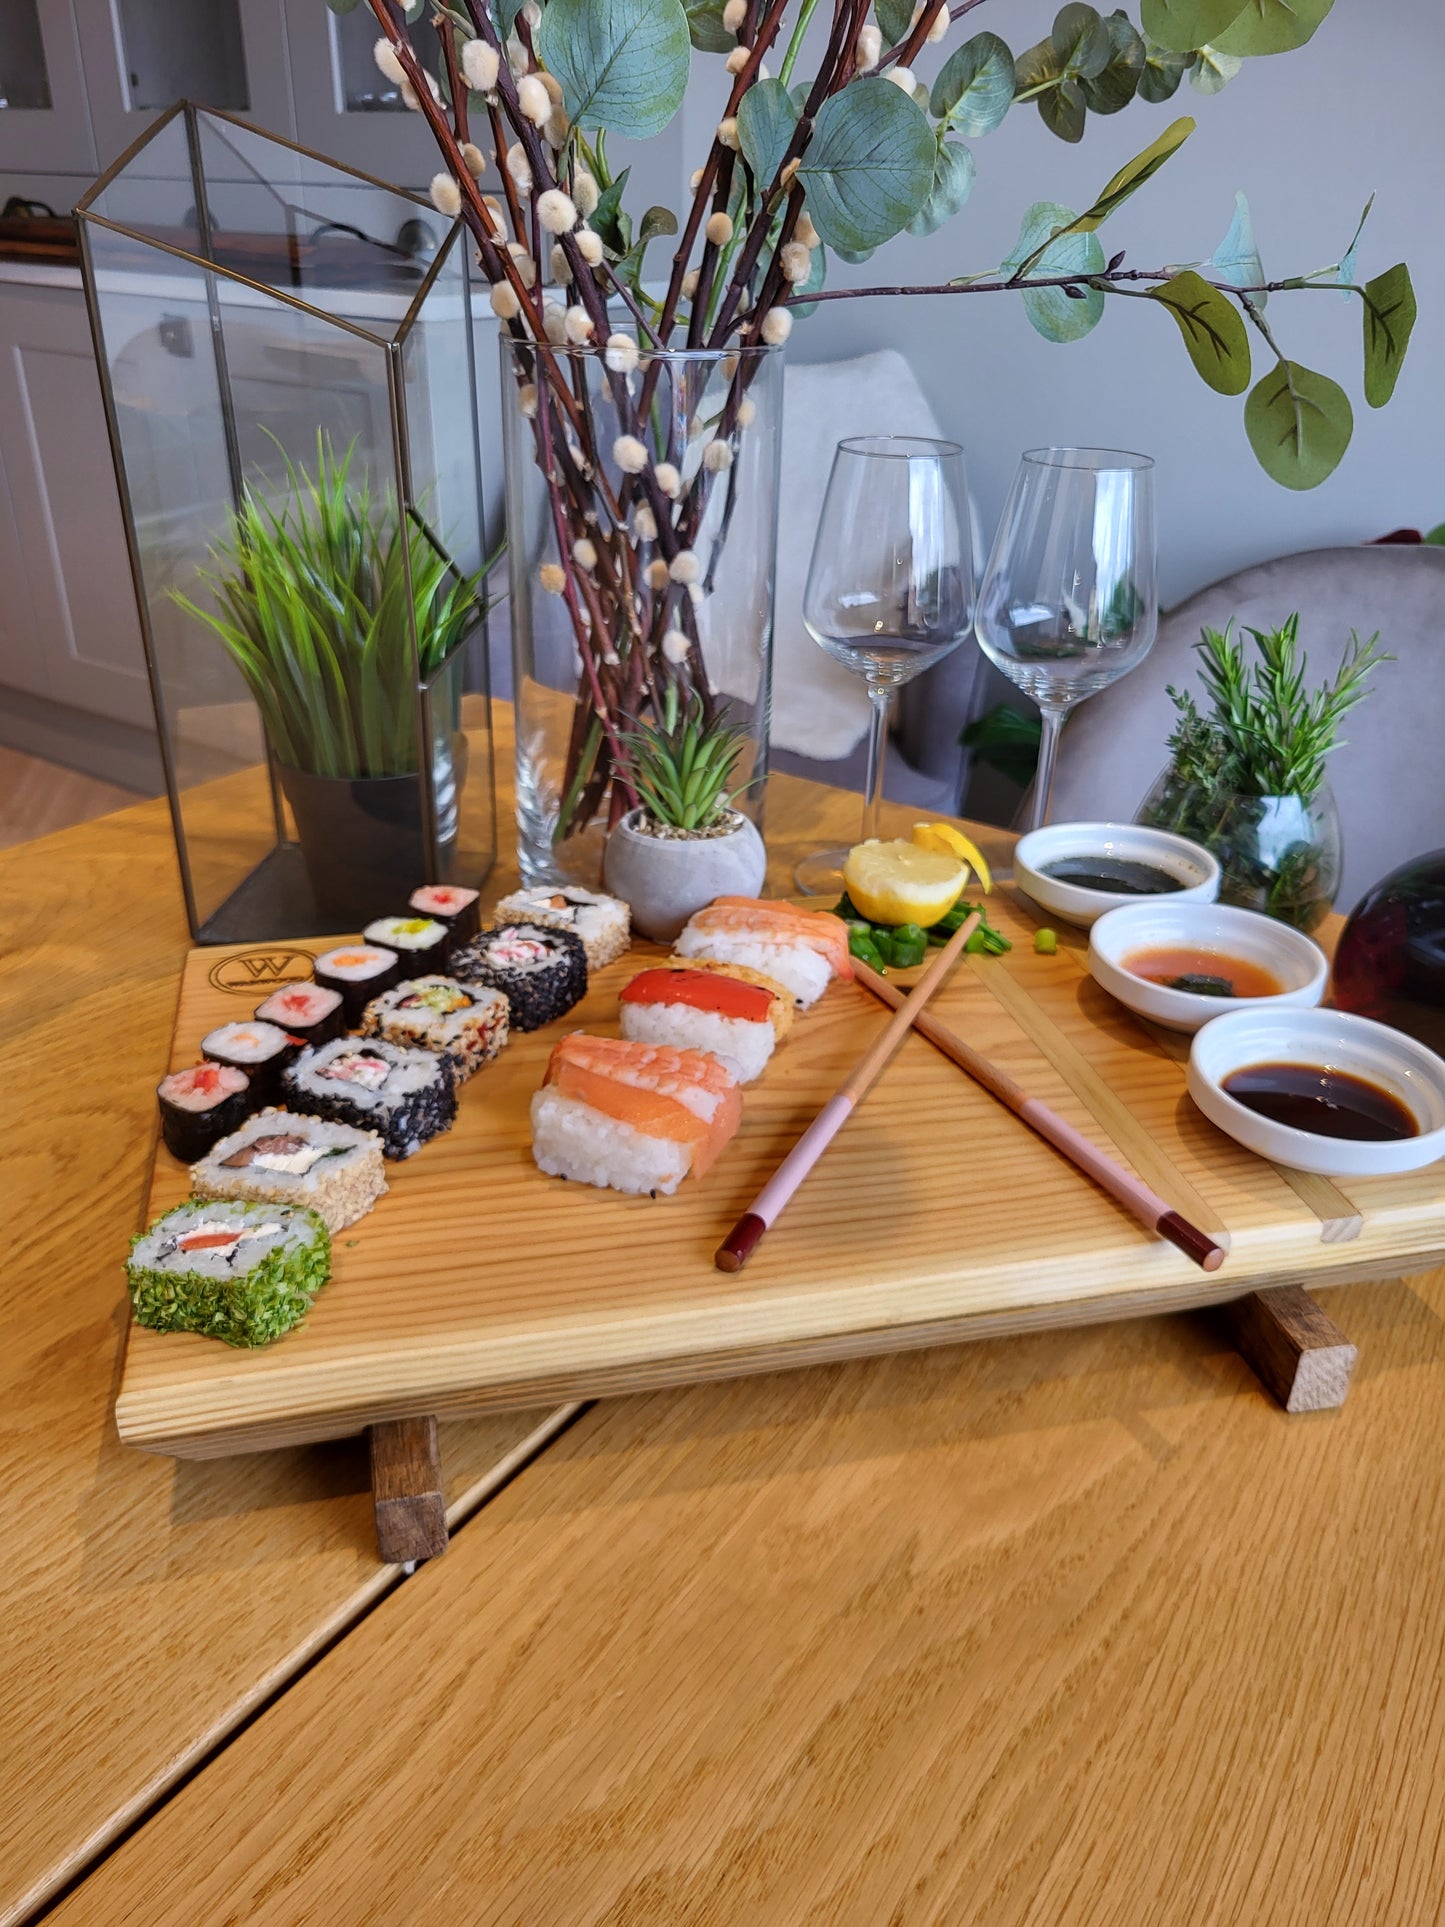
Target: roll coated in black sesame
<point x="542" y="973"/>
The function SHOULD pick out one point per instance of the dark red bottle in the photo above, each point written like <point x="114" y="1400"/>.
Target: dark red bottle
<point x="1391" y="961"/>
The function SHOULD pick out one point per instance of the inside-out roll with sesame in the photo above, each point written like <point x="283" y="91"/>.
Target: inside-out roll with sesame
<point x="603" y="923"/>
<point x="284" y="1157"/>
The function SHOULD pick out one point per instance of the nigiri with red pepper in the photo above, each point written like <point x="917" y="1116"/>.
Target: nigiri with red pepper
<point x="738" y="1014"/>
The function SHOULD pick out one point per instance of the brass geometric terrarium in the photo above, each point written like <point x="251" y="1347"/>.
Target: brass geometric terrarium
<point x="287" y="356"/>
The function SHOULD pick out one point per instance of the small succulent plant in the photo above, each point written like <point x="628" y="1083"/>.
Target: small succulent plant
<point x="683" y="764"/>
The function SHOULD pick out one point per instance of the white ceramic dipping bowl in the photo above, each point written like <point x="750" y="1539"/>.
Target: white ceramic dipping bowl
<point x="1164" y="923"/>
<point x="1191" y="863"/>
<point x="1410" y="1072"/>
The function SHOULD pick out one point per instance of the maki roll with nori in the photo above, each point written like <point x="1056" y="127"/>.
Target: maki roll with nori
<point x="603" y="923"/>
<point x="449" y="903"/>
<point x="422" y="943"/>
<point x="243" y="1273"/>
<point x="359" y="971"/>
<point x="282" y="1157"/>
<point x="308" y="1011"/>
<point x="465" y="1023"/>
<point x="541" y="973"/>
<point x="406" y="1096"/>
<point x="201" y="1105"/>
<point x="261" y="1050"/>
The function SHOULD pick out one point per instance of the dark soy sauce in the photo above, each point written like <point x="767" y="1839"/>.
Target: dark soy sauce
<point x="1308" y="1097"/>
<point x="1121" y="876"/>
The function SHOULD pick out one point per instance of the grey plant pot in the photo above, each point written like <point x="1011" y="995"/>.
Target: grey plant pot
<point x="666" y="879"/>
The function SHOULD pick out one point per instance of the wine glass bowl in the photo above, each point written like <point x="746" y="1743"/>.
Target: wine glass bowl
<point x="890" y="586"/>
<point x="1069" y="601"/>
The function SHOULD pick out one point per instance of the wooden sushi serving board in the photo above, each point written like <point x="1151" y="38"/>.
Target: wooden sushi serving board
<point x="479" y="1283"/>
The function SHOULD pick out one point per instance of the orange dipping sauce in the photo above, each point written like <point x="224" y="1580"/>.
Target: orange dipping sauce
<point x="1207" y="973"/>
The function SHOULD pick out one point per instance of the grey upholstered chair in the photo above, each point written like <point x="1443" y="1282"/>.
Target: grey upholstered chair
<point x="1387" y="775"/>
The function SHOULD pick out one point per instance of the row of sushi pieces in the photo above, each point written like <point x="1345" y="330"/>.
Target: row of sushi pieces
<point x="289" y="1117"/>
<point x="640" y="1112"/>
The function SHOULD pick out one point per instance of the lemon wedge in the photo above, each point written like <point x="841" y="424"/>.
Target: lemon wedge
<point x="948" y="841"/>
<point x="901" y="882"/>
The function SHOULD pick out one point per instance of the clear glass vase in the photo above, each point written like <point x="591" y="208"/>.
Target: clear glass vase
<point x="1281" y="855"/>
<point x="600" y="625"/>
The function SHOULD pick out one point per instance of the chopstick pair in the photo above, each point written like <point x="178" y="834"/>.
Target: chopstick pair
<point x="1152" y="1211"/>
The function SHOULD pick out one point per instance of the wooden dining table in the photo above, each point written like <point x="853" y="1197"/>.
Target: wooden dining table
<point x="1071" y="1627"/>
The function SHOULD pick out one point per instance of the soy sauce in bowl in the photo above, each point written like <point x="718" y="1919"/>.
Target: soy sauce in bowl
<point x="1119" y="876"/>
<point x="1328" y="1103"/>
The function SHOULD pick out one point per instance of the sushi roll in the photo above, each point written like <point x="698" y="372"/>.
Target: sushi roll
<point x="464" y="1023"/>
<point x="243" y="1273"/>
<point x="632" y="1117"/>
<point x="407" y="1097"/>
<point x="458" y="909"/>
<point x="308" y="1011"/>
<point x="201" y="1105"/>
<point x="422" y="943"/>
<point x="282" y="1157"/>
<point x="542" y="973"/>
<point x="737" y="1014"/>
<point x="359" y="972"/>
<point x="603" y="923"/>
<point x="261" y="1050"/>
<point x="801" y="949"/>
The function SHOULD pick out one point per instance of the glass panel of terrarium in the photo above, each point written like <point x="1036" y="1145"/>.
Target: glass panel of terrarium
<point x="441" y="461"/>
<point x="344" y="245"/>
<point x="176" y="50"/>
<point x="152" y="196"/>
<point x="159" y="355"/>
<point x="24" y="79"/>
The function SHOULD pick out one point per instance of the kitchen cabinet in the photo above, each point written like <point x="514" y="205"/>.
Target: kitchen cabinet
<point x="44" y="124"/>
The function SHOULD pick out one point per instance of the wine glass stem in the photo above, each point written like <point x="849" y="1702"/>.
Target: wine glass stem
<point x="881" y="696"/>
<point x="1053" y="722"/>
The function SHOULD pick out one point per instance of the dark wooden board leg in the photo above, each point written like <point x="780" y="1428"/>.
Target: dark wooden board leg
<point x="406" y="1490"/>
<point x="1295" y="1349"/>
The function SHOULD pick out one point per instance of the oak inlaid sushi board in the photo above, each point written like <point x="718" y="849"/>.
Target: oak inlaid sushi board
<point x="477" y="1283"/>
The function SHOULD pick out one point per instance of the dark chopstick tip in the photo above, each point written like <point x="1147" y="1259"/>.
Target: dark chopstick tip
<point x="740" y="1243"/>
<point x="1193" y="1242"/>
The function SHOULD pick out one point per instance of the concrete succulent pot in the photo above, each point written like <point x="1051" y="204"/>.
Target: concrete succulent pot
<point x="667" y="876"/>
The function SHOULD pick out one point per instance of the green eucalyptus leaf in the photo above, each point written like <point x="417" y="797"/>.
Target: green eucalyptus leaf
<point x="1054" y="314"/>
<point x="705" y="27"/>
<point x="622" y="64"/>
<point x="1183" y="25"/>
<point x="1081" y="41"/>
<point x="1062" y="109"/>
<point x="855" y="257"/>
<point x="1212" y="329"/>
<point x="1036" y="68"/>
<point x="767" y="119"/>
<point x="1389" y="302"/>
<point x="1348" y="258"/>
<point x="1111" y="90"/>
<point x="505" y="13"/>
<point x="975" y="87"/>
<point x="953" y="172"/>
<point x="1163" y="71"/>
<point x="1133" y="174"/>
<point x="1236" y="259"/>
<point x="413" y="9"/>
<point x="894" y="18"/>
<point x="1271" y="26"/>
<point x="1299" y="425"/>
<point x="609" y="219"/>
<point x="1212" y="70"/>
<point x="869" y="165"/>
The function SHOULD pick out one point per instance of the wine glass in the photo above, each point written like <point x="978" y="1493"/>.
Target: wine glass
<point x="890" y="586"/>
<point x="1069" y="601"/>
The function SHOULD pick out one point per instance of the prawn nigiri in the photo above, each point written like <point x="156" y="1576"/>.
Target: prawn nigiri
<point x="801" y="949"/>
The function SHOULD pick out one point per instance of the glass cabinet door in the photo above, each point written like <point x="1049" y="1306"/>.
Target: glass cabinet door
<point x="141" y="56"/>
<point x="344" y="106"/>
<point x="43" y="123"/>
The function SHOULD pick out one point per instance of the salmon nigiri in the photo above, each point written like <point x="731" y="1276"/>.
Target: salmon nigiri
<point x="802" y="949"/>
<point x="632" y="1116"/>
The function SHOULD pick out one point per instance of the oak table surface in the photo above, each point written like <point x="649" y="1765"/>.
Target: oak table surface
<point x="1074" y="1627"/>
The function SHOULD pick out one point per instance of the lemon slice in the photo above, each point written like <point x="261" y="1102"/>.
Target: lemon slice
<point x="951" y="842"/>
<point x="899" y="882"/>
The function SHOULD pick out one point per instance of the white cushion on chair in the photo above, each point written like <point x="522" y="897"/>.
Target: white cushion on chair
<point x="820" y="709"/>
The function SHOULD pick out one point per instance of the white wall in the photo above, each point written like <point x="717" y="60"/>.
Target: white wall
<point x="1308" y="136"/>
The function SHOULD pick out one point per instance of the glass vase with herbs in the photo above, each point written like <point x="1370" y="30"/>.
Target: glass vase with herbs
<point x="1246" y="776"/>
